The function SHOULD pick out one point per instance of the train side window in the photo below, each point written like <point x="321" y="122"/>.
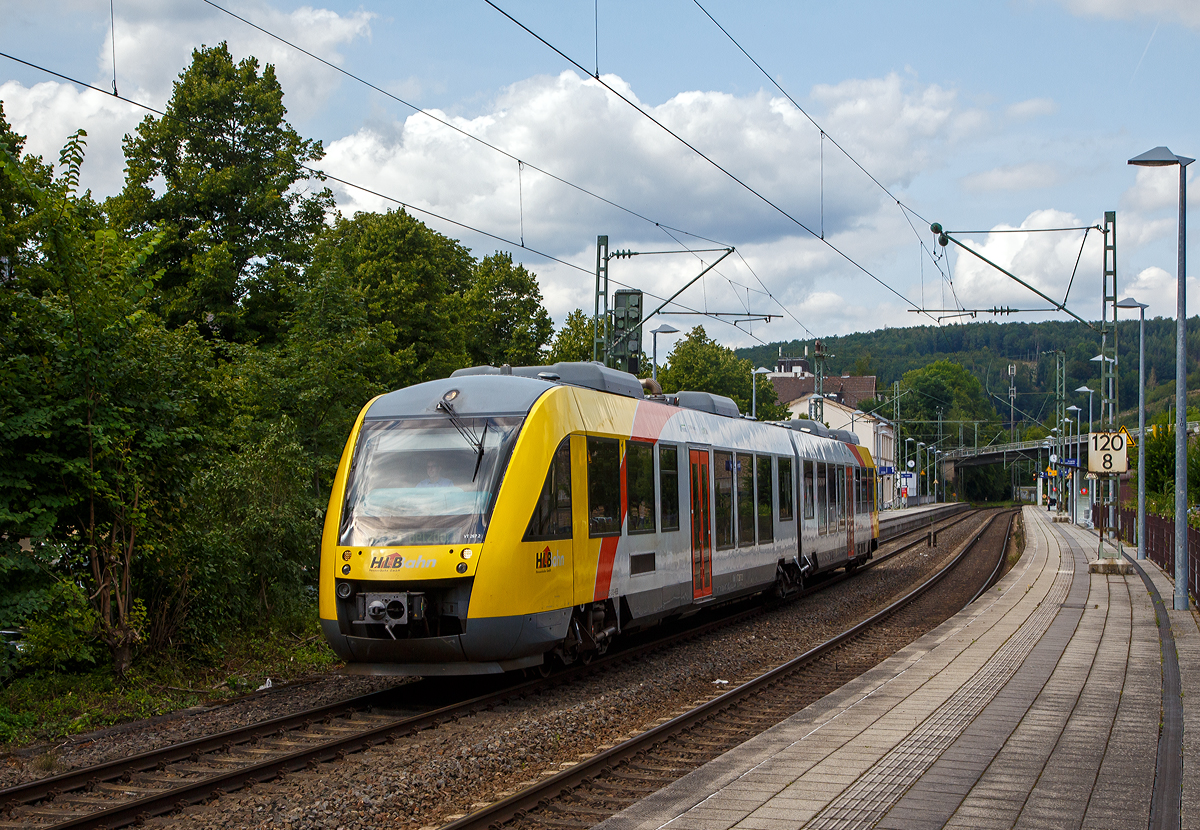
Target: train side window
<point x="858" y="494"/>
<point x="552" y="513"/>
<point x="841" y="496"/>
<point x="785" y="489"/>
<point x="822" y="500"/>
<point x="723" y="493"/>
<point x="668" y="485"/>
<point x="639" y="486"/>
<point x="604" y="486"/>
<point x="745" y="499"/>
<point x="766" y="532"/>
<point x="810" y="491"/>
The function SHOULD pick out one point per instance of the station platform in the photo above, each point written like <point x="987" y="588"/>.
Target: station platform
<point x="1039" y="705"/>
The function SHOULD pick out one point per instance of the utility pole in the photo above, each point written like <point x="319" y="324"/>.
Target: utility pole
<point x="1108" y="378"/>
<point x="600" y="318"/>
<point x="816" y="406"/>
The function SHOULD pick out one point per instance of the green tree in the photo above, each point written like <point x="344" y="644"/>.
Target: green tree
<point x="699" y="363"/>
<point x="237" y="221"/>
<point x="410" y="277"/>
<point x="96" y="400"/>
<point x="573" y="342"/>
<point x="504" y="317"/>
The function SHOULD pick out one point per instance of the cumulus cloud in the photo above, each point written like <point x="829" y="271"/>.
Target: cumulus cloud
<point x="1185" y="11"/>
<point x="154" y="42"/>
<point x="579" y="131"/>
<point x="1043" y="260"/>
<point x="48" y="113"/>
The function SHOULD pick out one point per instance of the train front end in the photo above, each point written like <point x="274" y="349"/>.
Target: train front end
<point x="407" y="527"/>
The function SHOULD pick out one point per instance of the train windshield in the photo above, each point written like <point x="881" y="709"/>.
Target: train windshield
<point x="425" y="482"/>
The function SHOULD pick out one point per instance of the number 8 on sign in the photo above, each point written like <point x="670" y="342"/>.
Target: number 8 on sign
<point x="1107" y="453"/>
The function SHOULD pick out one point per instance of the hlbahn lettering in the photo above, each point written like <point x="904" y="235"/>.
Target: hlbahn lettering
<point x="547" y="560"/>
<point x="394" y="561"/>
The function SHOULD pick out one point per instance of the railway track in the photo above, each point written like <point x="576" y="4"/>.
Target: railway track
<point x="129" y="790"/>
<point x="617" y="776"/>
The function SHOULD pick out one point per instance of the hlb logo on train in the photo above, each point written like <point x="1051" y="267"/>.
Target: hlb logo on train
<point x="546" y="559"/>
<point x="394" y="561"/>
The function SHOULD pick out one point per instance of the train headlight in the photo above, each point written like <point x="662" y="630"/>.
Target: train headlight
<point x="467" y="553"/>
<point x="343" y="590"/>
<point x="462" y="567"/>
<point x="346" y="568"/>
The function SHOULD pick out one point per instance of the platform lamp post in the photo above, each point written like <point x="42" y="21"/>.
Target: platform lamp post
<point x="907" y="441"/>
<point x="754" y="390"/>
<point x="665" y="328"/>
<point x="1078" y="466"/>
<point x="1091" y="490"/>
<point x="921" y="473"/>
<point x="1162" y="157"/>
<point x="1130" y="302"/>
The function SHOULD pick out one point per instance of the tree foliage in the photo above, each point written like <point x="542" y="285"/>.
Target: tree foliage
<point x="701" y="364"/>
<point x="235" y="211"/>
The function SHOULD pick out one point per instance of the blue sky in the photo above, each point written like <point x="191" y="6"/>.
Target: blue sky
<point x="981" y="116"/>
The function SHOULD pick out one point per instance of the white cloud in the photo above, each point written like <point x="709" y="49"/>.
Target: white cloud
<point x="154" y="42"/>
<point x="574" y="128"/>
<point x="1157" y="288"/>
<point x="1185" y="11"/>
<point x="1043" y="260"/>
<point x="1032" y="108"/>
<point x="1014" y="177"/>
<point x="48" y="113"/>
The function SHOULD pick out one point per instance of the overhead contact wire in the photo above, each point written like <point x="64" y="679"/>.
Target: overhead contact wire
<point x="702" y="155"/>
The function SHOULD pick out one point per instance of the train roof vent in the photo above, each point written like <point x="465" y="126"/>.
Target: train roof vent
<point x="808" y="425"/>
<point x="708" y="402"/>
<point x="844" y="435"/>
<point x="589" y="375"/>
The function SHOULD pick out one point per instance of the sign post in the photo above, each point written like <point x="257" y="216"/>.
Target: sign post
<point x="1108" y="457"/>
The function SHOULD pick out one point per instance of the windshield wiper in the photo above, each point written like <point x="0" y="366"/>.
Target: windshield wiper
<point x="467" y="435"/>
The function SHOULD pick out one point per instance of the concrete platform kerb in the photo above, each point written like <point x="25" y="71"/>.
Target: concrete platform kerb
<point x="1037" y="705"/>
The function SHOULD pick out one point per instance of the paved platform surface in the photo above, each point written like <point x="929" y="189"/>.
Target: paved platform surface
<point x="1037" y="706"/>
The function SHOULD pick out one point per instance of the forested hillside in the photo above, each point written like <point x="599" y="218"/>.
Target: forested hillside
<point x="987" y="349"/>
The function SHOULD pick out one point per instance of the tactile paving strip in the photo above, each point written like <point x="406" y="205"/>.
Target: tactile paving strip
<point x="865" y="801"/>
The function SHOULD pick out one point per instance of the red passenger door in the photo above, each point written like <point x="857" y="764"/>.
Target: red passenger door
<point x="701" y="525"/>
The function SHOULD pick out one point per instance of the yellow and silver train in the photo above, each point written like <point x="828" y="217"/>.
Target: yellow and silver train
<point x="503" y="518"/>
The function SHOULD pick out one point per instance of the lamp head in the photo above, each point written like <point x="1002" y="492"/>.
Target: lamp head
<point x="1130" y="302"/>
<point x="1085" y="389"/>
<point x="1073" y="408"/>
<point x="665" y="328"/>
<point x="762" y="371"/>
<point x="1159" y="157"/>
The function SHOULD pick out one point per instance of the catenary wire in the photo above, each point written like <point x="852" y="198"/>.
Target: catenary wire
<point x="702" y="155"/>
<point x="322" y="175"/>
<point x="520" y="162"/>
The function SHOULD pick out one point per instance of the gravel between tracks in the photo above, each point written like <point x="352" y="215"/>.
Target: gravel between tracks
<point x="422" y="780"/>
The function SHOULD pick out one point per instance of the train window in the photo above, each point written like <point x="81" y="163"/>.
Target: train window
<point x="639" y="486"/>
<point x="785" y="489"/>
<point x="552" y="513"/>
<point x="810" y="492"/>
<point x="604" y="486"/>
<point x="822" y="500"/>
<point x="723" y="493"/>
<point x="745" y="499"/>
<point x="858" y="494"/>
<point x="668" y="485"/>
<point x="841" y="496"/>
<point x="765" y="524"/>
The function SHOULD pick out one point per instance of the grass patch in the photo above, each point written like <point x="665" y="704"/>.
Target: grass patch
<point x="47" y="705"/>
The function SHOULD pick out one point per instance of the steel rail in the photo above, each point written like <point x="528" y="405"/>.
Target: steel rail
<point x="46" y="789"/>
<point x="519" y="803"/>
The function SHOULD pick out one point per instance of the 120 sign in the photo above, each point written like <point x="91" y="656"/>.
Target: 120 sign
<point x="1107" y="453"/>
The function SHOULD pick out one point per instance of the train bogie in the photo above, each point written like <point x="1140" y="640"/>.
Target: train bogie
<point x="485" y="523"/>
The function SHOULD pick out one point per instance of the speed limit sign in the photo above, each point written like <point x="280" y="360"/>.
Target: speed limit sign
<point x="1107" y="452"/>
